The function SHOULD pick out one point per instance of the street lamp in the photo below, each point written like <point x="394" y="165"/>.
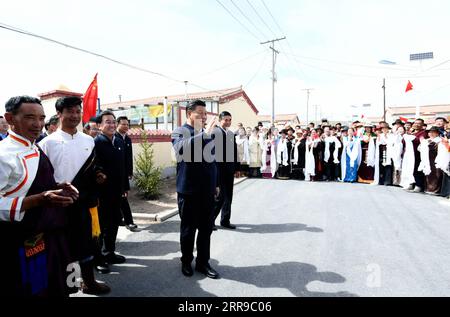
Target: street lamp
<point x="385" y="62"/>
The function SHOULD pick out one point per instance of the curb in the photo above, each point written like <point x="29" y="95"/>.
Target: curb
<point x="164" y="215"/>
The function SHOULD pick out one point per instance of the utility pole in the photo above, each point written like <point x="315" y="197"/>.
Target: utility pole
<point x="308" y="91"/>
<point x="274" y="52"/>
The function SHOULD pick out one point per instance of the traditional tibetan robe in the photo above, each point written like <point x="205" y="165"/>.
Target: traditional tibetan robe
<point x="269" y="159"/>
<point x="34" y="247"/>
<point x="383" y="158"/>
<point x="298" y="159"/>
<point x="351" y="159"/>
<point x="243" y="155"/>
<point x="283" y="159"/>
<point x="433" y="176"/>
<point x="443" y="163"/>
<point x="367" y="169"/>
<point x="331" y="157"/>
<point x="310" y="164"/>
<point x="73" y="158"/>
<point x="254" y="149"/>
<point x="318" y="152"/>
<point x="408" y="162"/>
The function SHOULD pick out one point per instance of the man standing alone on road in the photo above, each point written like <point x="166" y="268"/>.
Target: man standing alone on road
<point x="227" y="164"/>
<point x="196" y="187"/>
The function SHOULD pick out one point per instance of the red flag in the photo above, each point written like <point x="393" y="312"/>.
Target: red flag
<point x="90" y="101"/>
<point x="404" y="119"/>
<point x="409" y="86"/>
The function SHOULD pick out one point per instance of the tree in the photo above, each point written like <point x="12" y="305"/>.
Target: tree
<point x="147" y="176"/>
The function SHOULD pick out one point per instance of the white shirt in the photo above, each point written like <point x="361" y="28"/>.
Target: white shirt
<point x="67" y="153"/>
<point x="19" y="161"/>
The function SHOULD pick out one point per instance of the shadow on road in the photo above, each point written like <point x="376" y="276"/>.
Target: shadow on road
<point x="293" y="276"/>
<point x="174" y="227"/>
<point x="152" y="278"/>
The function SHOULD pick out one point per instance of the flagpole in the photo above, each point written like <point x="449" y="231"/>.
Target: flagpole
<point x="98" y="106"/>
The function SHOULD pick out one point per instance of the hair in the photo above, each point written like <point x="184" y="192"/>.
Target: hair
<point x="87" y="126"/>
<point x="122" y="118"/>
<point x="94" y="119"/>
<point x="14" y="103"/>
<point x="224" y="114"/>
<point x="104" y="113"/>
<point x="419" y="119"/>
<point x="194" y="104"/>
<point x="441" y="118"/>
<point x="260" y="124"/>
<point x="53" y="120"/>
<point x="1" y="117"/>
<point x="339" y="124"/>
<point x="67" y="102"/>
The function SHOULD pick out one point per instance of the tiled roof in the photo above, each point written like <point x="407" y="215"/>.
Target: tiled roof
<point x="208" y="95"/>
<point x="279" y="117"/>
<point x="423" y="109"/>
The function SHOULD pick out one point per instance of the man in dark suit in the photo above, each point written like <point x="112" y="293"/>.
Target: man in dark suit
<point x="123" y="125"/>
<point x="227" y="164"/>
<point x="196" y="187"/>
<point x="3" y="128"/>
<point x="110" y="160"/>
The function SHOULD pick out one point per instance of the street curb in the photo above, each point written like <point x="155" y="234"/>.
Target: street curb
<point x="164" y="215"/>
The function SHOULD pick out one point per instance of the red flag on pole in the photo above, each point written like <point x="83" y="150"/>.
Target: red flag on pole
<point x="409" y="86"/>
<point x="404" y="119"/>
<point x="90" y="101"/>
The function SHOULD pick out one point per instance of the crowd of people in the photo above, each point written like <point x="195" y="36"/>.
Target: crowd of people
<point x="63" y="195"/>
<point x="407" y="154"/>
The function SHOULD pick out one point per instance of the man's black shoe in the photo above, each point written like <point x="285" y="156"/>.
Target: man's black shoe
<point x="133" y="228"/>
<point x="228" y="226"/>
<point x="186" y="269"/>
<point x="102" y="268"/>
<point x="207" y="270"/>
<point x="113" y="258"/>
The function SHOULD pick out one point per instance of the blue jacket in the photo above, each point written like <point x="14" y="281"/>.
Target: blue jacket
<point x="196" y="164"/>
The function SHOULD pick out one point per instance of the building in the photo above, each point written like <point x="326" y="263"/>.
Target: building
<point x="48" y="99"/>
<point x="149" y="112"/>
<point x="428" y="113"/>
<point x="281" y="120"/>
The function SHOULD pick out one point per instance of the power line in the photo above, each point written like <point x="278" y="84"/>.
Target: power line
<point x="237" y="20"/>
<point x="24" y="32"/>
<point x="262" y="20"/>
<point x="248" y="19"/>
<point x="273" y="18"/>
<point x="257" y="72"/>
<point x="14" y="29"/>
<point x="297" y="66"/>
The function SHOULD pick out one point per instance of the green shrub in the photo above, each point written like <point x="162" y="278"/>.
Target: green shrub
<point x="147" y="176"/>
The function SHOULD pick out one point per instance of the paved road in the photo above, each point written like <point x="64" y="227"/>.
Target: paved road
<point x="303" y="239"/>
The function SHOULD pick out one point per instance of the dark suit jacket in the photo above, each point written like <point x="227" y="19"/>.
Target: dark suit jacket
<point x="111" y="161"/>
<point x="196" y="173"/>
<point x="226" y="152"/>
<point x="128" y="153"/>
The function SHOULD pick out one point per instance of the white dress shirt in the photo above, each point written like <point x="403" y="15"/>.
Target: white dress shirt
<point x="67" y="153"/>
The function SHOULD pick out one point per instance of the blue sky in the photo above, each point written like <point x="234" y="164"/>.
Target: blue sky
<point x="333" y="47"/>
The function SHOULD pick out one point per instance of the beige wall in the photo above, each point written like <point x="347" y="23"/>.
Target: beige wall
<point x="162" y="153"/>
<point x="49" y="107"/>
<point x="241" y="112"/>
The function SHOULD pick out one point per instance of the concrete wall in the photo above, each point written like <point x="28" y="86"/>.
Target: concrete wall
<point x="162" y="154"/>
<point x="241" y="112"/>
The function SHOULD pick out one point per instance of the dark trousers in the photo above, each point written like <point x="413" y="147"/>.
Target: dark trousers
<point x="109" y="216"/>
<point x="196" y="213"/>
<point x="126" y="211"/>
<point x="385" y="175"/>
<point x="225" y="198"/>
<point x="331" y="170"/>
<point x="419" y="177"/>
